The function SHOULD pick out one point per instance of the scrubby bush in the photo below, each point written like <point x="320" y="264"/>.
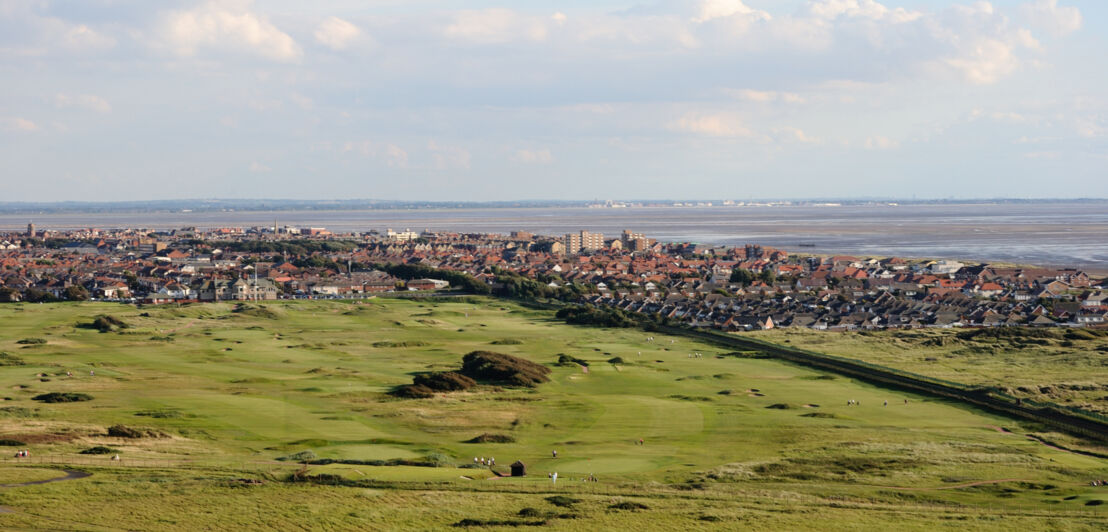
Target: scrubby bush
<point x="99" y="449"/>
<point x="8" y="359"/>
<point x="105" y="323"/>
<point x="302" y="456"/>
<point x="492" y="438"/>
<point x="447" y="381"/>
<point x="62" y="397"/>
<point x="562" y="501"/>
<point x="123" y="431"/>
<point x="498" y="368"/>
<point x="567" y="360"/>
<point x="412" y="391"/>
<point x="32" y="341"/>
<point x="11" y="443"/>
<point x="600" y="316"/>
<point x="629" y="505"/>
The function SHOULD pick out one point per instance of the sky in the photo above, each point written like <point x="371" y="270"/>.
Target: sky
<point x="444" y="100"/>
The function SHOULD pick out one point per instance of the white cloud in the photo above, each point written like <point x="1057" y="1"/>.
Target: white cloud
<point x="497" y="26"/>
<point x="80" y="37"/>
<point x="396" y="157"/>
<point x="765" y="96"/>
<point x="831" y="9"/>
<point x="711" y="124"/>
<point x="221" y="27"/>
<point x="19" y="124"/>
<point x="1048" y="15"/>
<point x="83" y="101"/>
<point x="880" y="143"/>
<point x="259" y="168"/>
<point x="542" y="156"/>
<point x="714" y="9"/>
<point x="448" y="157"/>
<point x="794" y="135"/>
<point x="985" y="62"/>
<point x="336" y="33"/>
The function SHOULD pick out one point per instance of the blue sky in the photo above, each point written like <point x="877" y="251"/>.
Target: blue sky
<point x="498" y="100"/>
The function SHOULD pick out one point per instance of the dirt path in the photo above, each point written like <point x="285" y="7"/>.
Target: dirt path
<point x="181" y="328"/>
<point x="584" y="369"/>
<point x="69" y="475"/>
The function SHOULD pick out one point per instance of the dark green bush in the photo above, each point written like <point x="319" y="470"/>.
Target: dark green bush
<point x="62" y="397"/>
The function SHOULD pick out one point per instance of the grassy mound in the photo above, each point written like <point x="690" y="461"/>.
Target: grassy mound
<point x="446" y="381"/>
<point x="32" y="341"/>
<point x="562" y="501"/>
<point x="425" y="386"/>
<point x="258" y="311"/>
<point x="629" y="505"/>
<point x="62" y="397"/>
<point x="7" y="359"/>
<point x="413" y="391"/>
<point x="492" y="438"/>
<point x="415" y="343"/>
<point x="567" y="360"/>
<point x="123" y="431"/>
<point x="106" y="323"/>
<point x="16" y="411"/>
<point x="498" y="368"/>
<point x="302" y="456"/>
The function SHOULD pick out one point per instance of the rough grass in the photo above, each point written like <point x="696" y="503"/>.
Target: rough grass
<point x="313" y="380"/>
<point x="1063" y="366"/>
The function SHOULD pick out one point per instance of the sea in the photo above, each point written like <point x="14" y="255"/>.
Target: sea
<point x="1072" y="234"/>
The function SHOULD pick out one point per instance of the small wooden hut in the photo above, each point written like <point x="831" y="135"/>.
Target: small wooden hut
<point x="518" y="469"/>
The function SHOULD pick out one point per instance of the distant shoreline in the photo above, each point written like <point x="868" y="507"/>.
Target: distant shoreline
<point x="1065" y="234"/>
<point x="285" y="205"/>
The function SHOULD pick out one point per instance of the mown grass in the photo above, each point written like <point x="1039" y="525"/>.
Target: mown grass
<point x="234" y="391"/>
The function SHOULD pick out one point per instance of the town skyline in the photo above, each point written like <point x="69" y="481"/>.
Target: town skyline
<point x="129" y="100"/>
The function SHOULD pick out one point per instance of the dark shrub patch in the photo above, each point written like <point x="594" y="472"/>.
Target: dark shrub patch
<point x="302" y="456"/>
<point x="105" y="323"/>
<point x="562" y="501"/>
<point x="32" y="341"/>
<point x="567" y="360"/>
<point x="99" y="449"/>
<point x="780" y="406"/>
<point x="123" y="431"/>
<point x="11" y="443"/>
<point x="7" y="359"/>
<point x="415" y="343"/>
<point x="615" y="360"/>
<point x="824" y="415"/>
<point x="62" y="397"/>
<point x="412" y="391"/>
<point x="530" y="512"/>
<point x="506" y="341"/>
<point x="492" y="438"/>
<point x="1094" y="502"/>
<point x="16" y="411"/>
<point x="464" y="523"/>
<point x="498" y="368"/>
<point x="710" y="518"/>
<point x="447" y="381"/>
<point x="629" y="505"/>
